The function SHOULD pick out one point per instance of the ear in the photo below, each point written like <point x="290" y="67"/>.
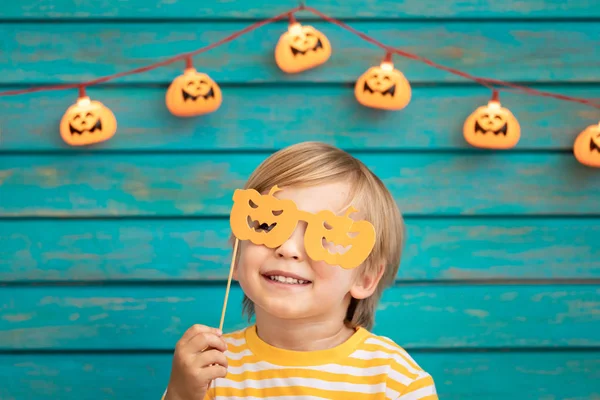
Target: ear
<point x="365" y="283"/>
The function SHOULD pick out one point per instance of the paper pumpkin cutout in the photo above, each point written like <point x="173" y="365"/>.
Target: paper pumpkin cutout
<point x="193" y="93"/>
<point x="301" y="48"/>
<point x="587" y="146"/>
<point x="87" y="122"/>
<point x="492" y="127"/>
<point x="383" y="87"/>
<point x="327" y="232"/>
<point x="266" y="220"/>
<point x="262" y="219"/>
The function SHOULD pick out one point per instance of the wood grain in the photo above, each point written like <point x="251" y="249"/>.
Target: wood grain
<point x="265" y="117"/>
<point x="513" y="51"/>
<point x="458" y="376"/>
<point x="441" y="316"/>
<point x="197" y="250"/>
<point x="202" y="184"/>
<point x="355" y="9"/>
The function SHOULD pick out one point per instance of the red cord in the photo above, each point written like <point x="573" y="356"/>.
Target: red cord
<point x="178" y="57"/>
<point x="487" y="82"/>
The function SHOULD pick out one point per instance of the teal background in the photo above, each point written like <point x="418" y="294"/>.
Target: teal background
<point x="109" y="253"/>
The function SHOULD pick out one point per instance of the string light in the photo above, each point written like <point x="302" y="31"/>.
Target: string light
<point x="301" y="48"/>
<point x="587" y="146"/>
<point x="310" y="53"/>
<point x="492" y="126"/>
<point x="87" y="122"/>
<point x="383" y="87"/>
<point x="193" y="93"/>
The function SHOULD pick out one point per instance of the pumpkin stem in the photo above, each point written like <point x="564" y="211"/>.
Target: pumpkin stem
<point x="350" y="210"/>
<point x="292" y="18"/>
<point x="273" y="190"/>
<point x="495" y="95"/>
<point x="188" y="62"/>
<point x="81" y="91"/>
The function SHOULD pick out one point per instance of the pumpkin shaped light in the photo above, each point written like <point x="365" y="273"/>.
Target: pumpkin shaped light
<point x="587" y="146"/>
<point x="383" y="87"/>
<point x="87" y="122"/>
<point x="301" y="48"/>
<point x="492" y="126"/>
<point x="193" y="93"/>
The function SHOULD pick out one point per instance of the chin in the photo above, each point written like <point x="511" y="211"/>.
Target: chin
<point x="284" y="308"/>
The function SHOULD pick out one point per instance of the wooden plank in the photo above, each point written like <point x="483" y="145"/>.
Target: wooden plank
<point x="458" y="376"/>
<point x="259" y="117"/>
<point x="176" y="250"/>
<point x="482" y="183"/>
<point x="154" y="317"/>
<point x="513" y="51"/>
<point x="234" y="9"/>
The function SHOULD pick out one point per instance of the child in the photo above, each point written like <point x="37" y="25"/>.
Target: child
<point x="311" y="338"/>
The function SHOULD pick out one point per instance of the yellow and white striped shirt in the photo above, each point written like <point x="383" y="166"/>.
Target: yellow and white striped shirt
<point x="366" y="366"/>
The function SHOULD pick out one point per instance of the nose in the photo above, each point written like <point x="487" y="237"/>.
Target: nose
<point x="293" y="248"/>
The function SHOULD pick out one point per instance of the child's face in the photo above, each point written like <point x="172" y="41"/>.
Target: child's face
<point x="319" y="289"/>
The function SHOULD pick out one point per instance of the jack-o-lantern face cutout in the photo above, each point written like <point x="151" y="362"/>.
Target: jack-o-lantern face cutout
<point x="193" y="93"/>
<point x="301" y="48"/>
<point x="262" y="219"/>
<point x="587" y="146"/>
<point x="266" y="220"/>
<point x="87" y="122"/>
<point x="492" y="127"/>
<point x="383" y="87"/>
<point x="339" y="240"/>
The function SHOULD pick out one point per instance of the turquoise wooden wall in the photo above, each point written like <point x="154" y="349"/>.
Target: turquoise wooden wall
<point x="108" y="254"/>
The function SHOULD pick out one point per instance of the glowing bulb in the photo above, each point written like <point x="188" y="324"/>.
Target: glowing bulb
<point x="494" y="104"/>
<point x="386" y="66"/>
<point x="295" y="29"/>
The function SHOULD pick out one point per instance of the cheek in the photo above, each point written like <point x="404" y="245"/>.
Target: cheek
<point x="338" y="279"/>
<point x="251" y="258"/>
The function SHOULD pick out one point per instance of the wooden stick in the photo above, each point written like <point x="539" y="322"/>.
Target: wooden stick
<point x="235" y="248"/>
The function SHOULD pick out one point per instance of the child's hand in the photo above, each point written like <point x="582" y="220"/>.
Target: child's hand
<point x="198" y="359"/>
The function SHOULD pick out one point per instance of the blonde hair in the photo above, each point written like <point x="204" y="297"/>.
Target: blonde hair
<point x="314" y="163"/>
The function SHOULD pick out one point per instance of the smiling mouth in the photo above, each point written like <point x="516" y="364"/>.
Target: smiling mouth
<point x="285" y="279"/>
<point x="257" y="226"/>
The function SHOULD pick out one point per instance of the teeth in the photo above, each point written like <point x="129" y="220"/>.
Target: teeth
<point x="288" y="280"/>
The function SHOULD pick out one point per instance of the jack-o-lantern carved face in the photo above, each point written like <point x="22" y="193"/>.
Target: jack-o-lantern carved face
<point x="383" y="87"/>
<point x="301" y="48"/>
<point x="492" y="127"/>
<point x="87" y="122"/>
<point x="339" y="240"/>
<point x="193" y="93"/>
<point x="587" y="146"/>
<point x="262" y="219"/>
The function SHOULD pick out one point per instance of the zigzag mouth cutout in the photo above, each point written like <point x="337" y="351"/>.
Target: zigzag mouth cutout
<point x="258" y="226"/>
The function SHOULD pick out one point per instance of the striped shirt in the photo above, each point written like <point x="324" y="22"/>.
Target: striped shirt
<point x="366" y="366"/>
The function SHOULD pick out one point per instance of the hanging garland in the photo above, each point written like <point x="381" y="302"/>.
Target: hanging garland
<point x="300" y="48"/>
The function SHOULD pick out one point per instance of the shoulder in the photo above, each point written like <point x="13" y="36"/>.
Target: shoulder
<point x="407" y="380"/>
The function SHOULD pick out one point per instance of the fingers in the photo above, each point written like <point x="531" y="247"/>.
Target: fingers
<point x="214" y="372"/>
<point x="210" y="357"/>
<point x="204" y="341"/>
<point x="195" y="330"/>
